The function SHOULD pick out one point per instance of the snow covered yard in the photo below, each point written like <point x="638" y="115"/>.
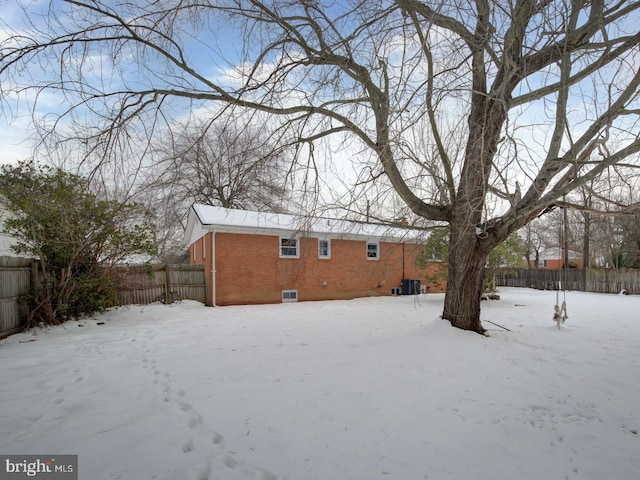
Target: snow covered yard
<point x="376" y="388"/>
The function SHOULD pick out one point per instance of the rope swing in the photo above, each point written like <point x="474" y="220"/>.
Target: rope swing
<point x="560" y="312"/>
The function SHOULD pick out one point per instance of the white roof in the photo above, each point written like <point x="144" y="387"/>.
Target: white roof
<point x="206" y="218"/>
<point x="557" y="253"/>
<point x="6" y="240"/>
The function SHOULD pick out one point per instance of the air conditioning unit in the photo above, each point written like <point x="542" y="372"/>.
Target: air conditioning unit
<point x="410" y="286"/>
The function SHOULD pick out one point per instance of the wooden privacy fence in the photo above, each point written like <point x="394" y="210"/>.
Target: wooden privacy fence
<point x="598" y="280"/>
<point x="15" y="280"/>
<point x="142" y="284"/>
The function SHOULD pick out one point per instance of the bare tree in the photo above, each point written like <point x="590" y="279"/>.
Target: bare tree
<point x="221" y="163"/>
<point x="543" y="92"/>
<point x="169" y="222"/>
<point x="604" y="216"/>
<point x="533" y="239"/>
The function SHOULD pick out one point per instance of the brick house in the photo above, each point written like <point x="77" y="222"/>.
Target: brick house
<point x="254" y="258"/>
<point x="553" y="259"/>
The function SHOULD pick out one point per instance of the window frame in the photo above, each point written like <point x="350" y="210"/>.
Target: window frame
<point x="289" y="299"/>
<point x="377" y="245"/>
<point x="328" y="255"/>
<point x="281" y="239"/>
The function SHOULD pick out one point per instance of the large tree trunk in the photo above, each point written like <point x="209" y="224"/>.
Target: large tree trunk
<point x="468" y="252"/>
<point x="464" y="284"/>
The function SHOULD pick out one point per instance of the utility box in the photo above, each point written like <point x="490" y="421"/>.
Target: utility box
<point x="410" y="286"/>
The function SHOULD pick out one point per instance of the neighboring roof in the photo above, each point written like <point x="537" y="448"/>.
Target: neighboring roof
<point x="206" y="218"/>
<point x="557" y="253"/>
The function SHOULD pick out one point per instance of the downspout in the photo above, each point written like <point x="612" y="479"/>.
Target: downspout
<point x="403" y="277"/>
<point x="213" y="268"/>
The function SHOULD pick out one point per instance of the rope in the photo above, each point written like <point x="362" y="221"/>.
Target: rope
<point x="560" y="312"/>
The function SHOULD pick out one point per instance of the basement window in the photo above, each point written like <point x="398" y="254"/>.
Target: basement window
<point x="289" y="248"/>
<point x="289" y="296"/>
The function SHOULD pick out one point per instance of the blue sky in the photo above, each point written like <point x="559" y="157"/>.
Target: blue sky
<point x="15" y="120"/>
<point x="16" y="129"/>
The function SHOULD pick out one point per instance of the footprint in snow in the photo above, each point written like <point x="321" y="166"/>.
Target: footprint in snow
<point x="230" y="462"/>
<point x="267" y="475"/>
<point x="205" y="473"/>
<point x="188" y="447"/>
<point x="217" y="438"/>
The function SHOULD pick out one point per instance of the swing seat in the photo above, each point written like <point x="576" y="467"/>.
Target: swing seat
<point x="560" y="313"/>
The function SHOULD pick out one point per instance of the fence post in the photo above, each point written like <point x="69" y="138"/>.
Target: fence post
<point x="34" y="275"/>
<point x="167" y="286"/>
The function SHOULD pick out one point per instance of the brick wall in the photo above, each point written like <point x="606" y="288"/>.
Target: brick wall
<point x="249" y="269"/>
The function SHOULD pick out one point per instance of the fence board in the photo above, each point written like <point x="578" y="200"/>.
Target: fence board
<point x="15" y="280"/>
<point x="187" y="281"/>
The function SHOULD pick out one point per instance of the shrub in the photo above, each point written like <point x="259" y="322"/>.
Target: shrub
<point x="74" y="234"/>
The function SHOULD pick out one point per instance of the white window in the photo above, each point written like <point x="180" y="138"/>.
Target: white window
<point x="373" y="250"/>
<point x="289" y="296"/>
<point x="289" y="248"/>
<point x="324" y="248"/>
